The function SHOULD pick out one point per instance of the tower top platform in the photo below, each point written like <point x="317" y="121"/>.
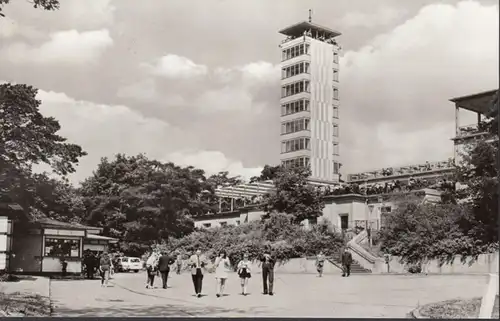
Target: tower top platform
<point x="300" y="28"/>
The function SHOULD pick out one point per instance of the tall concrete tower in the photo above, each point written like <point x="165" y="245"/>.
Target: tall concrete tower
<point x="310" y="100"/>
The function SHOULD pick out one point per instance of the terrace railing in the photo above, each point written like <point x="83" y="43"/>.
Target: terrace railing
<point x="403" y="170"/>
<point x="469" y="130"/>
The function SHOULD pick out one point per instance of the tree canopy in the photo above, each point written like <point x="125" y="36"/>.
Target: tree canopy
<point x="294" y="195"/>
<point x="145" y="201"/>
<point x="27" y="138"/>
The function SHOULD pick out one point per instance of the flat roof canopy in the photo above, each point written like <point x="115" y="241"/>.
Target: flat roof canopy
<point x="479" y="103"/>
<point x="298" y="29"/>
<point x="245" y="190"/>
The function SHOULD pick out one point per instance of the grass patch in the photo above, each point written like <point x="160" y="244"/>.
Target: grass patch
<point x="30" y="305"/>
<point x="452" y="309"/>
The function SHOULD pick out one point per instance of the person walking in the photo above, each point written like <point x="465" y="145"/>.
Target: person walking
<point x="268" y="262"/>
<point x="346" y="262"/>
<point x="152" y="270"/>
<point x="164" y="263"/>
<point x="178" y="264"/>
<point x="244" y="273"/>
<point x="89" y="263"/>
<point x="222" y="266"/>
<point x="198" y="263"/>
<point x="104" y="268"/>
<point x="320" y="262"/>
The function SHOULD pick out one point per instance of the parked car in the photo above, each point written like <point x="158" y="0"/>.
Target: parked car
<point x="126" y="264"/>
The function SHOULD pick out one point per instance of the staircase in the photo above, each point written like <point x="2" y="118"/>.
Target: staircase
<point x="356" y="268"/>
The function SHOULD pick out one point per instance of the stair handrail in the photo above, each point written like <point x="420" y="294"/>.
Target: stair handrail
<point x="354" y="246"/>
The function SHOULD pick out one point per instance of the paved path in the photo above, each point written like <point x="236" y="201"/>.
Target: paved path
<point x="296" y="295"/>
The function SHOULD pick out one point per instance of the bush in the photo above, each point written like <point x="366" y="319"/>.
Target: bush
<point x="286" y="240"/>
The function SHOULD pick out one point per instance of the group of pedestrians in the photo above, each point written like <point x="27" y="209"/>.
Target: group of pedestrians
<point x="158" y="264"/>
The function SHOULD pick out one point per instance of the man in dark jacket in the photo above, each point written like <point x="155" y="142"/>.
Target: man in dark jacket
<point x="268" y="262"/>
<point x="164" y="263"/>
<point x="346" y="262"/>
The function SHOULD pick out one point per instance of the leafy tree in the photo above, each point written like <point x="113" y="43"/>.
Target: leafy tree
<point x="28" y="138"/>
<point x="417" y="231"/>
<point x="143" y="201"/>
<point x="223" y="179"/>
<point x="56" y="199"/>
<point x="43" y="4"/>
<point x="294" y="195"/>
<point x="478" y="172"/>
<point x="267" y="173"/>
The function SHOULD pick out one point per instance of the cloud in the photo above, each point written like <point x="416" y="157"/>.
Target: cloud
<point x="382" y="17"/>
<point x="395" y="90"/>
<point x="105" y="130"/>
<point x="176" y="67"/>
<point x="68" y="46"/>
<point x="213" y="162"/>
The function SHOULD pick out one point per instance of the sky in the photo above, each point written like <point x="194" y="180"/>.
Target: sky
<point x="197" y="82"/>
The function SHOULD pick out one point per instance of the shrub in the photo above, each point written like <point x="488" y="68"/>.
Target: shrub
<point x="287" y="240"/>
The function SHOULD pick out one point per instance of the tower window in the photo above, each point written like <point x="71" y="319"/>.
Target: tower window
<point x="296" y="162"/>
<point x="295" y="125"/>
<point x="292" y="145"/>
<point x="335" y="75"/>
<point x="295" y="107"/>
<point x="335" y="130"/>
<point x="336" y="148"/>
<point x="335" y="93"/>
<point x="336" y="167"/>
<point x="295" y="88"/>
<point x="335" y="112"/>
<point x="296" y="69"/>
<point x="336" y="57"/>
<point x="295" y="51"/>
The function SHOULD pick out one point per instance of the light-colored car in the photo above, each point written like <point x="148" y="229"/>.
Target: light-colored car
<point x="126" y="264"/>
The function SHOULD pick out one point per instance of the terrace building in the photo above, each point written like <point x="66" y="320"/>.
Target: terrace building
<point x="480" y="104"/>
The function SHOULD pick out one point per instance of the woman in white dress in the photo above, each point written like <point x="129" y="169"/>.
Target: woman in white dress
<point x="222" y="266"/>
<point x="244" y="273"/>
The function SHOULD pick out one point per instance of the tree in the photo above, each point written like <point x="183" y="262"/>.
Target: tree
<point x="57" y="199"/>
<point x="28" y="138"/>
<point x="417" y="231"/>
<point x="43" y="4"/>
<point x="143" y="201"/>
<point x="478" y="171"/>
<point x="267" y="173"/>
<point x="223" y="179"/>
<point x="294" y="195"/>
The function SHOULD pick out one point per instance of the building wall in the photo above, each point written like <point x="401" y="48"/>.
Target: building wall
<point x="27" y="253"/>
<point x="216" y="221"/>
<point x="5" y="241"/>
<point x="486" y="263"/>
<point x="53" y="265"/>
<point x="321" y="110"/>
